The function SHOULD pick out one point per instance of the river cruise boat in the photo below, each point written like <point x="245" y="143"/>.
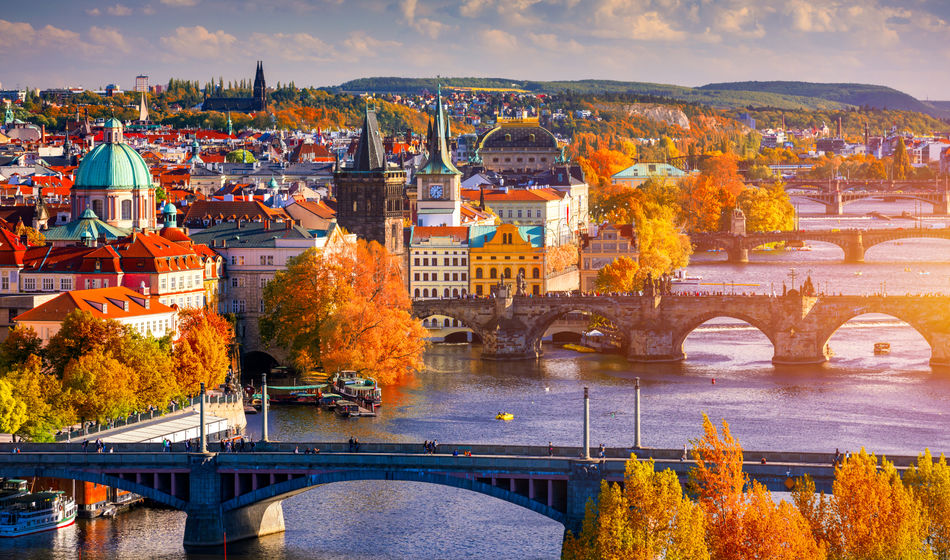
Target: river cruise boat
<point x="363" y="390"/>
<point x="35" y="513"/>
<point x="13" y="488"/>
<point x="295" y="394"/>
<point x="347" y="409"/>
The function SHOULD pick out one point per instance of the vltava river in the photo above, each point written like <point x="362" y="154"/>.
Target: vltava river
<point x="890" y="404"/>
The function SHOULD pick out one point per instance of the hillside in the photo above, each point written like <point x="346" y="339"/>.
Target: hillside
<point x="861" y="95"/>
<point x="723" y="99"/>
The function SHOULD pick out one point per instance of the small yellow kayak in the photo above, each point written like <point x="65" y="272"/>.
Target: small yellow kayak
<point x="504" y="416"/>
<point x="579" y="348"/>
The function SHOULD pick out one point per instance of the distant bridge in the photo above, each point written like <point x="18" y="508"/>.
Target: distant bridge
<point x="653" y="329"/>
<point x="853" y="242"/>
<point x="240" y="494"/>
<point x="878" y="185"/>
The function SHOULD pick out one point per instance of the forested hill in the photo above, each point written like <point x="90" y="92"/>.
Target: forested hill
<point x="775" y="95"/>
<point x="861" y="95"/>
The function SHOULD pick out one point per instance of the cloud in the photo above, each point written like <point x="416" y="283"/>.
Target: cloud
<point x="626" y="19"/>
<point x="93" y="12"/>
<point x="148" y="10"/>
<point x="108" y="38"/>
<point x="198" y="42"/>
<point x="185" y="3"/>
<point x="295" y="47"/>
<point x="119" y="10"/>
<point x="497" y="40"/>
<point x="809" y="18"/>
<point x="427" y="26"/>
<point x="361" y="45"/>
<point x="552" y="42"/>
<point x="24" y="35"/>
<point x="472" y="8"/>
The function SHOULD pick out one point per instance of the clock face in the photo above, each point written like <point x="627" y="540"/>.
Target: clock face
<point x="435" y="191"/>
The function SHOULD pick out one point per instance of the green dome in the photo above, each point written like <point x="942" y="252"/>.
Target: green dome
<point x="113" y="166"/>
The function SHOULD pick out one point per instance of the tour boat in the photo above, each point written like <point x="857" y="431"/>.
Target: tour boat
<point x="13" y="488"/>
<point x="682" y="279"/>
<point x="295" y="394"/>
<point x="35" y="513"/>
<point x="363" y="390"/>
<point x="347" y="408"/>
<point x="882" y="348"/>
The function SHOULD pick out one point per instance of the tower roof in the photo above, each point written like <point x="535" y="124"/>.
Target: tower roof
<point x="113" y="166"/>
<point x="369" y="152"/>
<point x="440" y="162"/>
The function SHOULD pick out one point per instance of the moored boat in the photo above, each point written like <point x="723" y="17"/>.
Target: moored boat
<point x="347" y="408"/>
<point x="881" y="348"/>
<point x="36" y="512"/>
<point x="363" y="390"/>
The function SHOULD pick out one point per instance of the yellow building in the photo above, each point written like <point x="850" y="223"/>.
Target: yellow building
<point x="500" y="253"/>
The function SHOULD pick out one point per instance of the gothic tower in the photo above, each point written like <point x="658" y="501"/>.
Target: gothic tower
<point x="438" y="182"/>
<point x="260" y="88"/>
<point x="370" y="192"/>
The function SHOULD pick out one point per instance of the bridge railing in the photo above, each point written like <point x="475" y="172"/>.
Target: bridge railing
<point x="92" y="428"/>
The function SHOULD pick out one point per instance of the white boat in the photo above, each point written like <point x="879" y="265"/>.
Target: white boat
<point x="36" y="512"/>
<point x="682" y="279"/>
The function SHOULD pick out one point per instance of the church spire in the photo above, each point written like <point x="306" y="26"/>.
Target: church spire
<point x="143" y="109"/>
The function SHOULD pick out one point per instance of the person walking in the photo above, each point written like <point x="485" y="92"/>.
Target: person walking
<point x="550" y="449"/>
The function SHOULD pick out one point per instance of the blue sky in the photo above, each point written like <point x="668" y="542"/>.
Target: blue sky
<point x="900" y="43"/>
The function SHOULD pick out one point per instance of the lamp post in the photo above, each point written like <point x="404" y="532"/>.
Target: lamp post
<point x="636" y="420"/>
<point x="586" y="453"/>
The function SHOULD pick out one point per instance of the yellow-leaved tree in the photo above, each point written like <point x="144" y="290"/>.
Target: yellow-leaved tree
<point x="871" y="515"/>
<point x="930" y="482"/>
<point x="649" y="519"/>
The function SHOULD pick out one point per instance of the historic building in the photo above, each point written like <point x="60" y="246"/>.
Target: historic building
<point x="502" y="253"/>
<point x="370" y="192"/>
<point x="115" y="183"/>
<point x="640" y="173"/>
<point x="438" y="262"/>
<point x="242" y="104"/>
<point x="545" y="207"/>
<point x="518" y="145"/>
<point x="600" y="246"/>
<point x="438" y="190"/>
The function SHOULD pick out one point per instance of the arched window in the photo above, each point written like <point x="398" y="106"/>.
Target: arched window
<point x="478" y="273"/>
<point x="536" y="273"/>
<point x="425" y="292"/>
<point x="455" y="322"/>
<point x="521" y="272"/>
<point x="492" y="273"/>
<point x="446" y="322"/>
<point x="445" y="292"/>
<point x="126" y="209"/>
<point x="455" y="292"/>
<point x="417" y="292"/>
<point x="507" y="272"/>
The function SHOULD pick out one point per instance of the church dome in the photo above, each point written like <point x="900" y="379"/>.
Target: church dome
<point x="113" y="166"/>
<point x="519" y="136"/>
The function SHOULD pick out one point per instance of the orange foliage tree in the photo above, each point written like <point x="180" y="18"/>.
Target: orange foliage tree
<point x="620" y="275"/>
<point x="345" y="310"/>
<point x="744" y="524"/>
<point x="202" y="351"/>
<point x="600" y="165"/>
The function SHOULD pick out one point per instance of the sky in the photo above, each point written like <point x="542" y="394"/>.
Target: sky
<point x="903" y="44"/>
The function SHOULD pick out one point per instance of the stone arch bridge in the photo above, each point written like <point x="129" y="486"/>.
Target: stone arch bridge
<point x="854" y="242"/>
<point x="834" y="201"/>
<point x="653" y="329"/>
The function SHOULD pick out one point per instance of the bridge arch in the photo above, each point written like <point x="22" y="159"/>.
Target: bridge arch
<point x="177" y="501"/>
<point x="427" y="310"/>
<point x="911" y="321"/>
<point x="686" y="328"/>
<point x="540" y="325"/>
<point x="288" y="488"/>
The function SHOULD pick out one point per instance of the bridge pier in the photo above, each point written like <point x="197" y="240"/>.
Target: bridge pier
<point x="793" y="347"/>
<point x="654" y="346"/>
<point x="835" y="205"/>
<point x="854" y="249"/>
<point x="942" y="203"/>
<point x="583" y="484"/>
<point x="940" y="350"/>
<point x="510" y="340"/>
<point x="737" y="254"/>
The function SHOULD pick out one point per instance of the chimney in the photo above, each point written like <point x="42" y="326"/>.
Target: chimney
<point x="288" y="224"/>
<point x="43" y="134"/>
<point x="266" y="224"/>
<point x="143" y="289"/>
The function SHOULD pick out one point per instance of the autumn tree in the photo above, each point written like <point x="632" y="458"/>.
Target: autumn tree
<point x="620" y="275"/>
<point x="600" y="165"/>
<point x="100" y="386"/>
<point x="345" y="310"/>
<point x="202" y="350"/>
<point x="767" y="208"/>
<point x="80" y="333"/>
<point x="34" y="238"/>
<point x="21" y="343"/>
<point x="649" y="518"/>
<point x="930" y="482"/>
<point x="743" y="521"/>
<point x="41" y="394"/>
<point x="870" y="515"/>
<point x="12" y="410"/>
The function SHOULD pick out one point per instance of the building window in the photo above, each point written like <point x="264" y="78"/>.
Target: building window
<point x="415" y="262"/>
<point x="416" y="293"/>
<point x="162" y="283"/>
<point x="455" y="262"/>
<point x="234" y="282"/>
<point x="478" y="289"/>
<point x="425" y="276"/>
<point x="29" y="283"/>
<point x="507" y="272"/>
<point x="242" y="305"/>
<point x="97" y="208"/>
<point x="464" y="262"/>
<point x="536" y="290"/>
<point x="234" y="306"/>
<point x="519" y="213"/>
<point x="264" y="280"/>
<point x="445" y="293"/>
<point x="425" y="262"/>
<point x="425" y="292"/>
<point x="446" y="322"/>
<point x="536" y="273"/>
<point x="4" y="282"/>
<point x="537" y="213"/>
<point x="65" y="284"/>
<point x="463" y="277"/>
<point x="445" y="276"/>
<point x="126" y="209"/>
<point x="492" y="273"/>
<point x="47" y="284"/>
<point x="455" y="276"/>
<point x="415" y="277"/>
<point x="478" y="273"/>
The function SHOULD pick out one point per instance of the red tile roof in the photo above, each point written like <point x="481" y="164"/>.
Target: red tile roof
<point x="104" y="303"/>
<point x="514" y="195"/>
<point x="457" y="233"/>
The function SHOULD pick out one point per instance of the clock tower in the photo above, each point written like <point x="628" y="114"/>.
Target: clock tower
<point x="438" y="182"/>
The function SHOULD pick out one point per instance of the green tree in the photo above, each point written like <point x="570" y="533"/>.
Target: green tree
<point x="21" y="343"/>
<point x="46" y="408"/>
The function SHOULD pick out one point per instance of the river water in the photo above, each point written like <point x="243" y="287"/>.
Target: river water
<point x="890" y="404"/>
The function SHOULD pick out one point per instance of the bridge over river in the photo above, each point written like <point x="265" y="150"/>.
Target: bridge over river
<point x="854" y="242"/>
<point x="240" y="494"/>
<point x="653" y="328"/>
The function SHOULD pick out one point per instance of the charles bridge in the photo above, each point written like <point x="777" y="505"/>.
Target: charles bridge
<point x="233" y="496"/>
<point x="853" y="242"/>
<point x="653" y="328"/>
